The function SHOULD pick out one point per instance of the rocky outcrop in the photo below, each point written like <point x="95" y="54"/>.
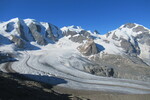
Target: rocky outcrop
<point x="129" y="25"/>
<point x="77" y="36"/>
<point x="49" y="33"/>
<point x="139" y="29"/>
<point x="30" y="30"/>
<point x="35" y="31"/>
<point x="100" y="71"/>
<point x="144" y="38"/>
<point x="20" y="30"/>
<point x="18" y="41"/>
<point x="68" y="32"/>
<point x="121" y="67"/>
<point x="129" y="48"/>
<point x="18" y="27"/>
<point x="114" y="37"/>
<point x="89" y="48"/>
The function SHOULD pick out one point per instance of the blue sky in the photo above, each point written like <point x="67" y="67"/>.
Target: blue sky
<point x="102" y="15"/>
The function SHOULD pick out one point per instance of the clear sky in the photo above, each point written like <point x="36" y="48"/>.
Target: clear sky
<point x="102" y="15"/>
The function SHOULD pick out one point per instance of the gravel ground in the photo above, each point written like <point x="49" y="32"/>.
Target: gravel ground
<point x="17" y="87"/>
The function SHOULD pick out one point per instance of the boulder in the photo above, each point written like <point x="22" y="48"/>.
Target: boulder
<point x="89" y="48"/>
<point x="100" y="71"/>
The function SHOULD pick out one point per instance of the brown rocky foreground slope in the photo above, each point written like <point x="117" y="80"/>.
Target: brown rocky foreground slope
<point x="17" y="87"/>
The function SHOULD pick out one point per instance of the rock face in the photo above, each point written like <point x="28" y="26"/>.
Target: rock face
<point x="35" y="31"/>
<point x="23" y="32"/>
<point x="144" y="38"/>
<point x="124" y="67"/>
<point x="140" y="29"/>
<point x="80" y="37"/>
<point x="88" y="48"/>
<point x="77" y="34"/>
<point x="133" y="39"/>
<point x="129" y="48"/>
<point x="18" y="41"/>
<point x="100" y="71"/>
<point x="49" y="33"/>
<point x="129" y="25"/>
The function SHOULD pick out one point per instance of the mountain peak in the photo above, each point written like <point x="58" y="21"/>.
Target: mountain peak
<point x="134" y="27"/>
<point x="75" y="27"/>
<point x="129" y="25"/>
<point x="15" y="19"/>
<point x="72" y="28"/>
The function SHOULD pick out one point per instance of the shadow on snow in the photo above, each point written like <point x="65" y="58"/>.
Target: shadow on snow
<point x="14" y="86"/>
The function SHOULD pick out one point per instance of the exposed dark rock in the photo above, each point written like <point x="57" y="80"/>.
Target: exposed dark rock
<point x="110" y="72"/>
<point x="20" y="31"/>
<point x="114" y="37"/>
<point x="100" y="70"/>
<point x="144" y="38"/>
<point x="15" y="86"/>
<point x="68" y="32"/>
<point x="129" y="48"/>
<point x="35" y="31"/>
<point x="139" y="29"/>
<point x="78" y="38"/>
<point x="85" y="33"/>
<point x="108" y="34"/>
<point x="49" y="33"/>
<point x="88" y="48"/>
<point x="95" y="70"/>
<point x="18" y="41"/>
<point x="95" y="31"/>
<point x="124" y="66"/>
<point x="129" y="25"/>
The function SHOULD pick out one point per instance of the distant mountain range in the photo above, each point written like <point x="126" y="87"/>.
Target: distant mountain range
<point x="122" y="53"/>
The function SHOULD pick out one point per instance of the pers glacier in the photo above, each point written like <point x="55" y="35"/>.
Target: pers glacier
<point x="117" y="61"/>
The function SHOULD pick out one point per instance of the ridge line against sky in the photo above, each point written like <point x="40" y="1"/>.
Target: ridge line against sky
<point x="102" y="15"/>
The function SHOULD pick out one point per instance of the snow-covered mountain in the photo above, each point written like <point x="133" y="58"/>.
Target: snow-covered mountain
<point x="121" y="53"/>
<point x="133" y="39"/>
<point x="130" y="39"/>
<point x="23" y="32"/>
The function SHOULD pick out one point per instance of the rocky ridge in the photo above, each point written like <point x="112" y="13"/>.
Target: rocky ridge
<point x="113" y="52"/>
